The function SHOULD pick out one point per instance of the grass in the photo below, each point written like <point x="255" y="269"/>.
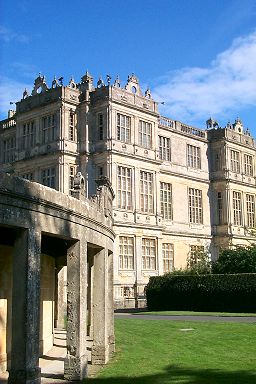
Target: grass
<point x="162" y="352"/>
<point x="190" y="313"/>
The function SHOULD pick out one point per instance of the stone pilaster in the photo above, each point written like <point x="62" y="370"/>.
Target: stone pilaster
<point x="26" y="308"/>
<point x="100" y="347"/>
<point x="110" y="307"/>
<point x="75" y="365"/>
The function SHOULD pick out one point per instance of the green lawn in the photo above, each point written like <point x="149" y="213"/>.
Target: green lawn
<point x="161" y="352"/>
<point x="190" y="313"/>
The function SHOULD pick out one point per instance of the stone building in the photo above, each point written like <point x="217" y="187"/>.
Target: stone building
<point x="41" y="232"/>
<point x="179" y="190"/>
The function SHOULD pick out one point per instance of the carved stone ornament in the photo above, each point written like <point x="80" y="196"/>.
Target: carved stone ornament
<point x="25" y="94"/>
<point x="39" y="85"/>
<point x="133" y="85"/>
<point x="72" y="83"/>
<point x="117" y="82"/>
<point x="55" y="83"/>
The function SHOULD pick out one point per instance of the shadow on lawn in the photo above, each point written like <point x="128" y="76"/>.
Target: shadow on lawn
<point x="177" y="375"/>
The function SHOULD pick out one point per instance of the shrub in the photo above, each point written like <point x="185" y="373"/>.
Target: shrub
<point x="238" y="260"/>
<point x="222" y="293"/>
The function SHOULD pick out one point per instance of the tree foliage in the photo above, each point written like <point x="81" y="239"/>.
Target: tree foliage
<point x="238" y="260"/>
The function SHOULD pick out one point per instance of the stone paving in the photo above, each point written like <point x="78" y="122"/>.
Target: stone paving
<point x="52" y="364"/>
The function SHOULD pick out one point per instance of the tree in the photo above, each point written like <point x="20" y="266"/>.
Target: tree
<point x="238" y="260"/>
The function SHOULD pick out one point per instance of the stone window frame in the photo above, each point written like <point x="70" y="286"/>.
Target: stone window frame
<point x="49" y="128"/>
<point x="164" y="145"/>
<point x="250" y="210"/>
<point x="146" y="192"/>
<point x="168" y="257"/>
<point x="100" y="126"/>
<point x="195" y="251"/>
<point x="145" y="134"/>
<point x="72" y="173"/>
<point x="28" y="135"/>
<point x="28" y="176"/>
<point x="71" y="126"/>
<point x="195" y="203"/>
<point x="48" y="177"/>
<point x="123" y="128"/>
<point x="220" y="207"/>
<point x="237" y="208"/>
<point x="9" y="149"/>
<point x="248" y="164"/>
<point x="166" y="200"/>
<point x="148" y="253"/>
<point x="126" y="253"/>
<point x="234" y="161"/>
<point x="193" y="156"/>
<point x="124" y="187"/>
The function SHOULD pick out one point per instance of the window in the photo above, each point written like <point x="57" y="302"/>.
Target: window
<point x="48" y="177"/>
<point x="167" y="253"/>
<point x="193" y="156"/>
<point x="164" y="148"/>
<point x="100" y="126"/>
<point x="126" y="291"/>
<point x="9" y="147"/>
<point x="219" y="207"/>
<point x="235" y="165"/>
<point x="124" y="188"/>
<point x="196" y="254"/>
<point x="248" y="170"/>
<point x="250" y="209"/>
<point x="28" y="176"/>
<point x="123" y="128"/>
<point x="195" y="206"/>
<point x="148" y="253"/>
<point x="28" y="135"/>
<point x="49" y="128"/>
<point x="237" y="208"/>
<point x="72" y="173"/>
<point x="166" y="200"/>
<point x="146" y="192"/>
<point x="71" y="132"/>
<point x="126" y="252"/>
<point x="145" y="134"/>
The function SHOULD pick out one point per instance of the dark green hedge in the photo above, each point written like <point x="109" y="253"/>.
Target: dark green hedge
<point x="221" y="293"/>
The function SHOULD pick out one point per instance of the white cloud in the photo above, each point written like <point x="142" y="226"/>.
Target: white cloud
<point x="8" y="36"/>
<point x="228" y="84"/>
<point x="10" y="91"/>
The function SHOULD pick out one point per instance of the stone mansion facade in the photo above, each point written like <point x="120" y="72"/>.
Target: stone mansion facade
<point x="178" y="189"/>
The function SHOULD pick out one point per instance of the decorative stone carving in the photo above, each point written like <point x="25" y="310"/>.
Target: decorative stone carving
<point x="72" y="83"/>
<point x="133" y="85"/>
<point x="100" y="83"/>
<point x="55" y="83"/>
<point x="25" y="94"/>
<point x="39" y="85"/>
<point x="212" y="124"/>
<point x="117" y="82"/>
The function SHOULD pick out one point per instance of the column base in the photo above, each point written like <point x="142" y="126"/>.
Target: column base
<point x="75" y="368"/>
<point x="100" y="355"/>
<point x="29" y="376"/>
<point x="112" y="346"/>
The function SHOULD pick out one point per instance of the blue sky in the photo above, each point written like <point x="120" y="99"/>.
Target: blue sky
<point x="197" y="56"/>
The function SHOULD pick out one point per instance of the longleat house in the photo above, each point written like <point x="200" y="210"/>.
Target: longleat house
<point x="179" y="190"/>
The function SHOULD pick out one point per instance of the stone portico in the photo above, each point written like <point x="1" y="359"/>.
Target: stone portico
<point x="42" y="230"/>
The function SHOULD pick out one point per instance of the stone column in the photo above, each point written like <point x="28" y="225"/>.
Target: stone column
<point x="26" y="308"/>
<point x="100" y="352"/>
<point x="75" y="365"/>
<point x="110" y="307"/>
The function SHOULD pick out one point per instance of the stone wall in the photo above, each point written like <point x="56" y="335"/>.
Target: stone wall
<point x="47" y="230"/>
